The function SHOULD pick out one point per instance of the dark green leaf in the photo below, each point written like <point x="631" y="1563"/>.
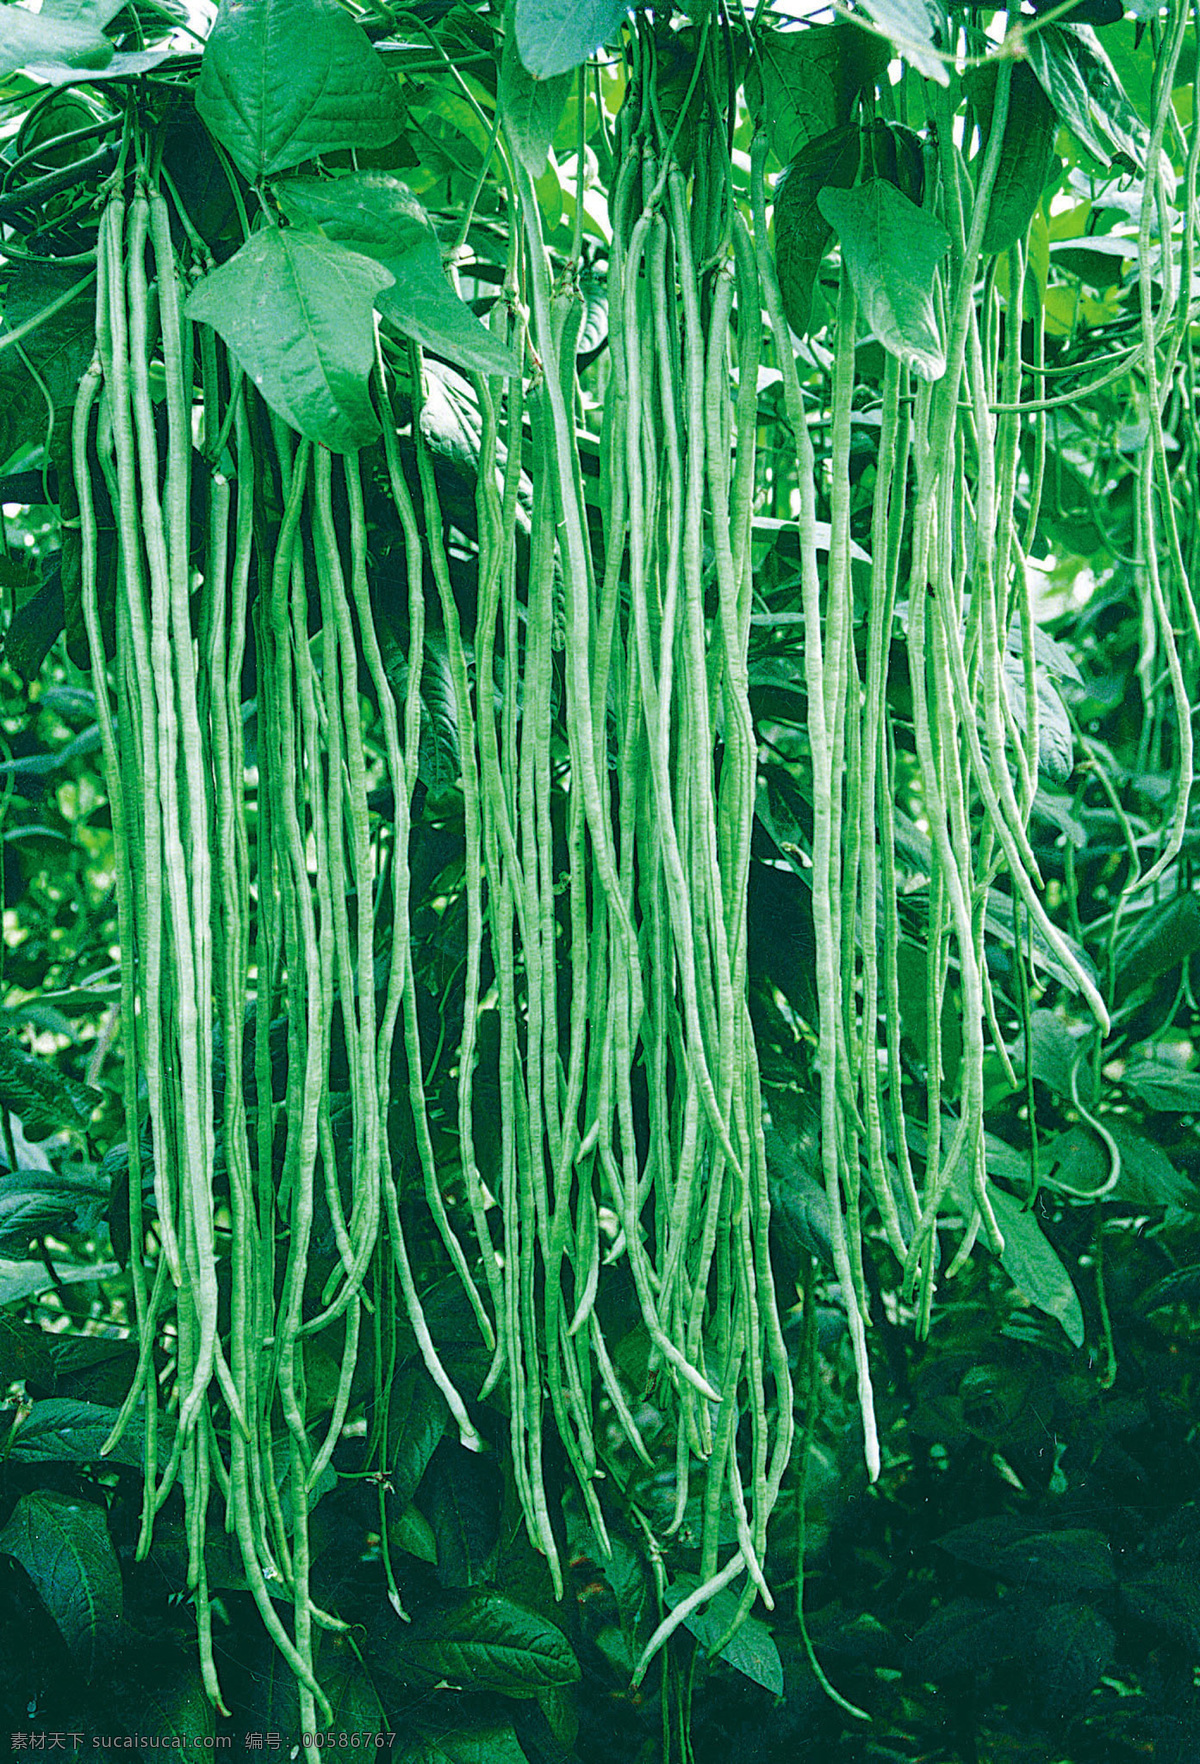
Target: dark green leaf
<point x="40" y="1095"/>
<point x="461" y="1500"/>
<point x="1026" y="153"/>
<point x="1162" y="1086"/>
<point x="1072" y="1646"/>
<point x="1165" y="936"/>
<point x="490" y="1643"/>
<point x="751" y="1650"/>
<point x="284" y="80"/>
<point x="1071" y="1560"/>
<point x="64" y="1547"/>
<point x="802" y="234"/>
<point x="416" y="1422"/>
<point x="1099" y="259"/>
<point x="169" y="1703"/>
<point x="803" y="83"/>
<point x="478" y="1745"/>
<point x="892" y="249"/>
<point x="555" y="36"/>
<point x="376" y="215"/>
<point x="1034" y="1268"/>
<point x="20" y="1280"/>
<point x="625" y="1572"/>
<point x="1180" y="1287"/>
<point x="59" y="1431"/>
<point x="965" y="1635"/>
<point x="61" y="347"/>
<point x="1167" y="1597"/>
<point x="296" y="310"/>
<point x="530" y="107"/>
<point x="1082" y="85"/>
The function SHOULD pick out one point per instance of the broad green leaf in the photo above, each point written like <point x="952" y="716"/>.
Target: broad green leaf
<point x="61" y="347"/>
<point x="490" y="1643"/>
<point x="1099" y="259"/>
<point x="1083" y="86"/>
<point x="296" y="311"/>
<point x="1072" y="1646"/>
<point x="964" y="1635"/>
<point x="802" y="234"/>
<point x="1026" y="153"/>
<point x="169" y="1703"/>
<point x="1166" y="1596"/>
<point x="57" y="1430"/>
<point x="1034" y="1268"/>
<point x="1056" y="740"/>
<point x="751" y="1650"/>
<point x="530" y="108"/>
<point x="803" y="83"/>
<point x="1165" y="936"/>
<point x="64" y="1547"/>
<point x="461" y="1500"/>
<point x="555" y="36"/>
<point x="914" y="27"/>
<point x="1163" y="1086"/>
<point x="25" y="1353"/>
<point x="284" y="80"/>
<point x="413" y="1534"/>
<point x="1147" y="1180"/>
<point x="476" y="1745"/>
<point x="40" y="1095"/>
<point x="1074" y="1560"/>
<point x="892" y="249"/>
<point x="416" y="1422"/>
<point x="376" y="215"/>
<point x="625" y="1572"/>
<point x="55" y="36"/>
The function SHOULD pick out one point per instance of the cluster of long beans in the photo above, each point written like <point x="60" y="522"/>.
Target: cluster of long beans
<point x="949" y="552"/>
<point x="631" y="1120"/>
<point x="232" y="921"/>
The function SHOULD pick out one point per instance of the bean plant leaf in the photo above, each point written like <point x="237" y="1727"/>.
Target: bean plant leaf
<point x="296" y="311"/>
<point x="60" y="1431"/>
<point x="476" y="1745"/>
<point x="751" y="1650"/>
<point x="63" y="1545"/>
<point x="463" y="1507"/>
<point x="1164" y="937"/>
<point x="1072" y="1646"/>
<point x="1034" y="1268"/>
<point x="284" y="80"/>
<point x="417" y="1413"/>
<point x="555" y="36"/>
<point x="914" y="27"/>
<point x="964" y="1635"/>
<point x="529" y="107"/>
<point x="801" y="84"/>
<point x="1026" y="152"/>
<point x="1072" y="1560"/>
<point x="1163" y="1086"/>
<point x="378" y="216"/>
<point x="892" y="249"/>
<point x="802" y="233"/>
<point x="41" y="1096"/>
<point x="1082" y="84"/>
<point x="491" y="1644"/>
<point x="57" y="36"/>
